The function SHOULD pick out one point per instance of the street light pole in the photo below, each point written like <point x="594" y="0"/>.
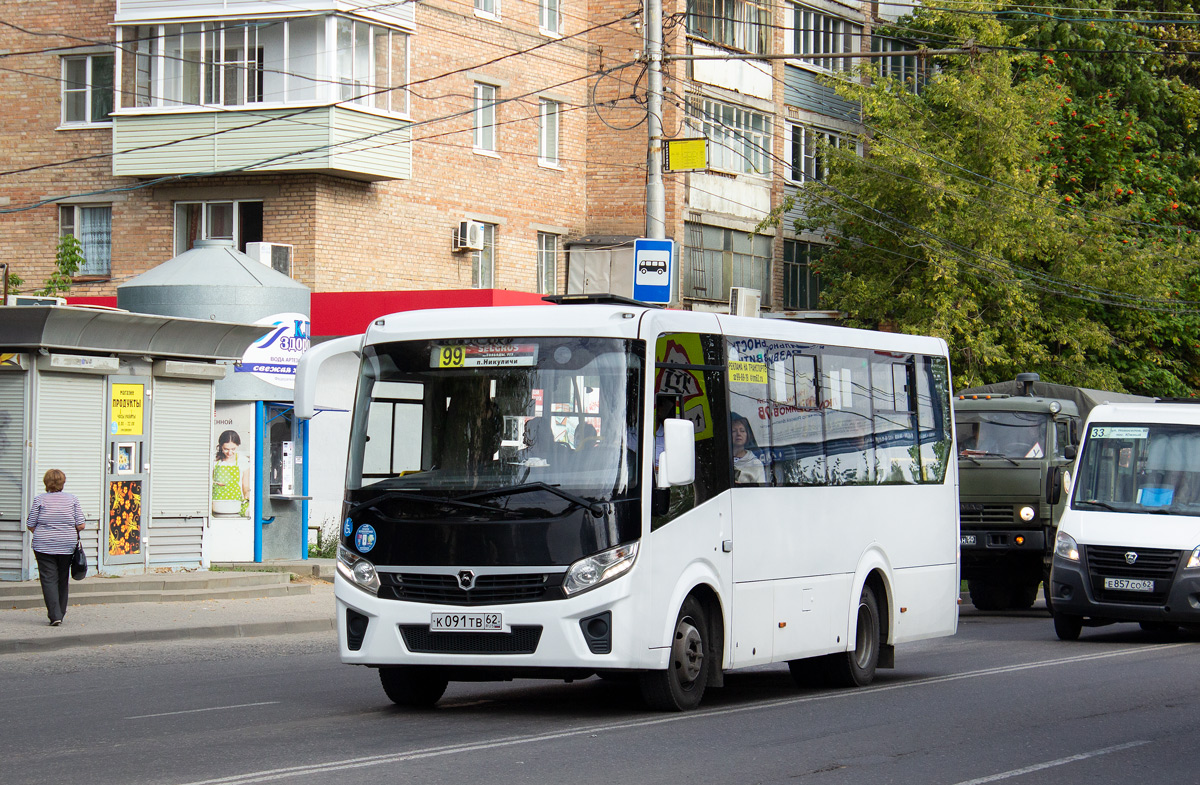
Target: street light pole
<point x="656" y="206"/>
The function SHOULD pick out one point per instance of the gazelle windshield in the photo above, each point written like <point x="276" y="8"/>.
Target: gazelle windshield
<point x="494" y="417"/>
<point x="1132" y="467"/>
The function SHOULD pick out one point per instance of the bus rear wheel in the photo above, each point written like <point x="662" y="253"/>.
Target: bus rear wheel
<point x="412" y="687"/>
<point x="681" y="686"/>
<point x="856" y="668"/>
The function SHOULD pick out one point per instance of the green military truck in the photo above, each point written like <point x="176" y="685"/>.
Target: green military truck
<point x="1016" y="444"/>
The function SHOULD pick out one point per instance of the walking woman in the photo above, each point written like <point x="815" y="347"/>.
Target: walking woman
<point x="55" y="519"/>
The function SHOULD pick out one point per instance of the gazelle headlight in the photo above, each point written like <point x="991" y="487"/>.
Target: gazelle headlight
<point x="1066" y="547"/>
<point x="1194" y="560"/>
<point x="590" y="572"/>
<point x="357" y="570"/>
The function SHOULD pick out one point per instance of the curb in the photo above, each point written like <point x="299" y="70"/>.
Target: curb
<point x="248" y="630"/>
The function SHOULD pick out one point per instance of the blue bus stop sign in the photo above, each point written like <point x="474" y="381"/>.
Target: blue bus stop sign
<point x="653" y="271"/>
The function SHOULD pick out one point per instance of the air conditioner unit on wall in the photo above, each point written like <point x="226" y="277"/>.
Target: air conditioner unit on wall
<point x="744" y="301"/>
<point x="468" y="236"/>
<point x="277" y="256"/>
<point x="33" y="299"/>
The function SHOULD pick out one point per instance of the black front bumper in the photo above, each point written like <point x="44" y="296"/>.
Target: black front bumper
<point x="1074" y="594"/>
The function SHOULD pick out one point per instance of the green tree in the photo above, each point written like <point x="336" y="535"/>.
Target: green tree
<point x="68" y="259"/>
<point x="965" y="220"/>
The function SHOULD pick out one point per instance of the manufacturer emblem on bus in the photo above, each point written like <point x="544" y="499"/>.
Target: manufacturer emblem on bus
<point x="466" y="580"/>
<point x="1130" y="557"/>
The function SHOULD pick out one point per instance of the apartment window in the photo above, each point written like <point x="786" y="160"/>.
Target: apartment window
<point x="549" y="112"/>
<point x="741" y="137"/>
<point x="904" y="68"/>
<point x="256" y="62"/>
<point x="817" y="33"/>
<point x="739" y="24"/>
<point x="549" y="16"/>
<point x="485" y="117"/>
<point x="87" y="89"/>
<point x="807" y="147"/>
<point x="801" y="286"/>
<point x="240" y="221"/>
<point x="483" y="263"/>
<point x="719" y="258"/>
<point x="92" y="227"/>
<point x="547" y="263"/>
<point x="488" y="7"/>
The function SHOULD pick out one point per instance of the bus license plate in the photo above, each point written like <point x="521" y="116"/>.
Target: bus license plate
<point x="1125" y="584"/>
<point x="466" y="622"/>
<point x="967" y="539"/>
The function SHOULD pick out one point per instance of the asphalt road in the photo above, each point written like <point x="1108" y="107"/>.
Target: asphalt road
<point x="1003" y="701"/>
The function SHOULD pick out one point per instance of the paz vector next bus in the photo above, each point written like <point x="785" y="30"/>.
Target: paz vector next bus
<point x="605" y="488"/>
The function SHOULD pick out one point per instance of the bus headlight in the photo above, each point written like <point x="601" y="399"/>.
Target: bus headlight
<point x="599" y="568"/>
<point x="1027" y="514"/>
<point x="1193" y="561"/>
<point x="1066" y="547"/>
<point x="357" y="570"/>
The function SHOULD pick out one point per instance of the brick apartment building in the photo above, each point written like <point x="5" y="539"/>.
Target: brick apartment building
<point x="362" y="134"/>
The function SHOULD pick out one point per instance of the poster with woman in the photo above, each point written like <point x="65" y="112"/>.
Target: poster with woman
<point x="233" y="468"/>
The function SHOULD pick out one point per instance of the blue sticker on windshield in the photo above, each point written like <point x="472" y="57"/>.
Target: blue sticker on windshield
<point x="365" y="539"/>
<point x="347" y="527"/>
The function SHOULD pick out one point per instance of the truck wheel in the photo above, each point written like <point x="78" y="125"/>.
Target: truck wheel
<point x="1023" y="595"/>
<point x="1067" y="628"/>
<point x="988" y="596"/>
<point x="412" y="687"/>
<point x="681" y="686"/>
<point x="857" y="668"/>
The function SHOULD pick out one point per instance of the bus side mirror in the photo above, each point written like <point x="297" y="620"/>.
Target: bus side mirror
<point x="309" y="368"/>
<point x="677" y="464"/>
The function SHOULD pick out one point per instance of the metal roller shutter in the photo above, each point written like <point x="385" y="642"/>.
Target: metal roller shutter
<point x="12" y="466"/>
<point x="182" y="455"/>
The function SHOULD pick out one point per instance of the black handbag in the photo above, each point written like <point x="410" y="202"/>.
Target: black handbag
<point x="78" y="561"/>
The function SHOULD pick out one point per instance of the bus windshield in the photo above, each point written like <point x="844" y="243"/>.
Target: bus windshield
<point x="1003" y="434"/>
<point x="498" y="426"/>
<point x="1133" y="467"/>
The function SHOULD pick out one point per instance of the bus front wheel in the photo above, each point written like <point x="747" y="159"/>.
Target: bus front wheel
<point x="415" y="688"/>
<point x="856" y="668"/>
<point x="681" y="686"/>
<point x="1067" y="628"/>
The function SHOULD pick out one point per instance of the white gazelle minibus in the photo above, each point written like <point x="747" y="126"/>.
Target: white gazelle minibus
<point x="608" y="488"/>
<point x="1128" y="545"/>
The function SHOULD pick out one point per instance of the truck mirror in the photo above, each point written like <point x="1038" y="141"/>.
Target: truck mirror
<point x="1070" y="452"/>
<point x="1073" y="438"/>
<point x="1054" y="485"/>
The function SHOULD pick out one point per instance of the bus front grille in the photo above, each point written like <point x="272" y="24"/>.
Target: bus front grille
<point x="1150" y="564"/>
<point x="488" y="589"/>
<point x="523" y="639"/>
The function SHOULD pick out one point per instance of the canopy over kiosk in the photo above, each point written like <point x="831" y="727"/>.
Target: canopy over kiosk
<point x="122" y="404"/>
<point x="257" y="477"/>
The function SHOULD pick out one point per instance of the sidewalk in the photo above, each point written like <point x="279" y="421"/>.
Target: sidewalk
<point x="182" y="615"/>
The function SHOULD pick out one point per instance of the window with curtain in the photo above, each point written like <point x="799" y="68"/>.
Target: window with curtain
<point x="485" y="117"/>
<point x="547" y="263"/>
<point x="488" y="7"/>
<point x="237" y="220"/>
<point x="484" y="262"/>
<point x="87" y="89"/>
<point x="739" y="24"/>
<point x="548" y="16"/>
<point x="719" y="258"/>
<point x="819" y="33"/>
<point x="548" y="113"/>
<point x="92" y="226"/>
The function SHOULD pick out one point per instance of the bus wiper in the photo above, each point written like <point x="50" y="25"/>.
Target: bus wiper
<point x="420" y="498"/>
<point x="595" y="508"/>
<point x="1097" y="503"/>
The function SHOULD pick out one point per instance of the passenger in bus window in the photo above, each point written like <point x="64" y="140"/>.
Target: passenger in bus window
<point x="540" y="448"/>
<point x="747" y="468"/>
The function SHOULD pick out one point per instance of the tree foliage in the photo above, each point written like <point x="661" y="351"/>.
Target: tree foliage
<point x="1019" y="208"/>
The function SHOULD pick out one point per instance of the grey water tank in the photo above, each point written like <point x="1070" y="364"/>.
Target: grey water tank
<point x="216" y="281"/>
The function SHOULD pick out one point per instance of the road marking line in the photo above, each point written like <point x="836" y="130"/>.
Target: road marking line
<point x="197" y="711"/>
<point x="269" y="775"/>
<point x="1051" y="764"/>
